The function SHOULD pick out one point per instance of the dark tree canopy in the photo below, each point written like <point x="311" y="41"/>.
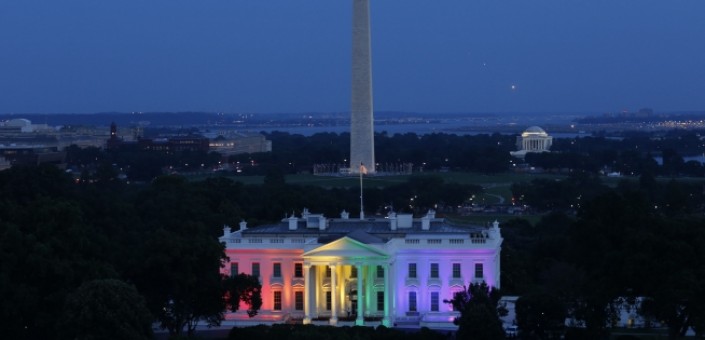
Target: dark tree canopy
<point x="480" y="312"/>
<point x="105" y="309"/>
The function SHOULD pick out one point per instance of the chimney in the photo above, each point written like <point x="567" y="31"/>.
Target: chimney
<point x="226" y="230"/>
<point x="393" y="221"/>
<point x="425" y="223"/>
<point x="431" y="214"/>
<point x="243" y="225"/>
<point x="344" y="215"/>
<point x="305" y="213"/>
<point x="494" y="231"/>
<point x="293" y="222"/>
<point x="322" y="222"/>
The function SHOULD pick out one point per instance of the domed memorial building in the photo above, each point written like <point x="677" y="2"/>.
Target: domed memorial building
<point x="533" y="139"/>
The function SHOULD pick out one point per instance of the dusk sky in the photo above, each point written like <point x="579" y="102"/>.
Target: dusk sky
<point x="588" y="56"/>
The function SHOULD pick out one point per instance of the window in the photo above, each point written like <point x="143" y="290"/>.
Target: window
<point x="299" y="300"/>
<point x="234" y="269"/>
<point x="479" y="270"/>
<point x="277" y="300"/>
<point x="298" y="270"/>
<point x="412" y="301"/>
<point x="327" y="271"/>
<point x="353" y="272"/>
<point x="255" y="269"/>
<point x="380" y="272"/>
<point x="434" y="270"/>
<point x="456" y="270"/>
<point x="434" y="301"/>
<point x="380" y="301"/>
<point x="328" y="301"/>
<point x="277" y="270"/>
<point x="412" y="270"/>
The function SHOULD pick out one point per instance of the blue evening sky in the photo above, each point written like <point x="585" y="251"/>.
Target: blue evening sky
<point x="294" y="55"/>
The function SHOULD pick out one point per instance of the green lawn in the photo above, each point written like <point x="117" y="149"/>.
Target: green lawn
<point x="497" y="187"/>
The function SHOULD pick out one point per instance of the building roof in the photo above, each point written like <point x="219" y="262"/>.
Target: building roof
<point x="372" y="230"/>
<point x="534" y="131"/>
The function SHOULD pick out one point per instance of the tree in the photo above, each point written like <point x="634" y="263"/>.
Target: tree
<point x="480" y="312"/>
<point x="540" y="316"/>
<point x="105" y="309"/>
<point x="180" y="277"/>
<point x="246" y="289"/>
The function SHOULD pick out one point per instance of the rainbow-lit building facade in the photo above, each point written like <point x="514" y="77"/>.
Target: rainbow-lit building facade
<point x="395" y="270"/>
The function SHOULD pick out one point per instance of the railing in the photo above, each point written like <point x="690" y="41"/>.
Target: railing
<point x="267" y="241"/>
<point x="452" y="241"/>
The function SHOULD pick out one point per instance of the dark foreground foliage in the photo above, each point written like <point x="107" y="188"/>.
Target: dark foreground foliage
<point x="312" y="332"/>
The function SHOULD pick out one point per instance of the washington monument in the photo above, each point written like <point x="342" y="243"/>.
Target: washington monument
<point x="362" y="144"/>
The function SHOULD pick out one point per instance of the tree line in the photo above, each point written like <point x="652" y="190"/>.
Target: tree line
<point x="632" y="154"/>
<point x="154" y="246"/>
<point x="636" y="246"/>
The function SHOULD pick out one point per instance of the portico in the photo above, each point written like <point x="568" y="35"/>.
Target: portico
<point x="347" y="278"/>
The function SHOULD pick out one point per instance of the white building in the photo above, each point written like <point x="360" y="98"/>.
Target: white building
<point x="391" y="271"/>
<point x="533" y="139"/>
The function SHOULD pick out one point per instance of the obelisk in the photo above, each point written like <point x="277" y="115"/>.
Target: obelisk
<point x="362" y="144"/>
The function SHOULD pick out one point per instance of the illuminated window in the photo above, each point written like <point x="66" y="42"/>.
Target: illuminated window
<point x="255" y="269"/>
<point x="456" y="270"/>
<point x="298" y="270"/>
<point x="299" y="300"/>
<point x="412" y="301"/>
<point x="412" y="270"/>
<point x="277" y="270"/>
<point x="327" y="271"/>
<point x="434" y="301"/>
<point x="479" y="270"/>
<point x="434" y="270"/>
<point x="380" y="272"/>
<point x="234" y="269"/>
<point x="277" y="300"/>
<point x="328" y="301"/>
<point x="353" y="272"/>
<point x="380" y="301"/>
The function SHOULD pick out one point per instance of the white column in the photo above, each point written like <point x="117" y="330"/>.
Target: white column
<point x="307" y="294"/>
<point x="360" y="303"/>
<point x="369" y="287"/>
<point x="386" y="321"/>
<point x="333" y="295"/>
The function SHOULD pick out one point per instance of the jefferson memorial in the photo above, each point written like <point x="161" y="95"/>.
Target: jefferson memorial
<point x="395" y="270"/>
<point x="533" y="139"/>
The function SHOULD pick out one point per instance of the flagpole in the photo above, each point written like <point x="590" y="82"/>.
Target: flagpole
<point x="363" y="170"/>
<point x="362" y="209"/>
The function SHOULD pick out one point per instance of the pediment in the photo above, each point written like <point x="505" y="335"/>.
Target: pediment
<point x="346" y="247"/>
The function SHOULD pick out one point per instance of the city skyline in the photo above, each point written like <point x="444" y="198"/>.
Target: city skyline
<point x="283" y="56"/>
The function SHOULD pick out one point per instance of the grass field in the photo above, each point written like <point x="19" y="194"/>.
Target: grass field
<point x="497" y="187"/>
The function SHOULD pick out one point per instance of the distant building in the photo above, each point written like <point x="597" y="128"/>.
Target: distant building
<point x="21" y="125"/>
<point x="533" y="139"/>
<point x="172" y="144"/>
<point x="240" y="144"/>
<point x="30" y="155"/>
<point x="341" y="271"/>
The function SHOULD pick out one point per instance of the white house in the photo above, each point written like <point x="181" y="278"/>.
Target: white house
<point x="392" y="271"/>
